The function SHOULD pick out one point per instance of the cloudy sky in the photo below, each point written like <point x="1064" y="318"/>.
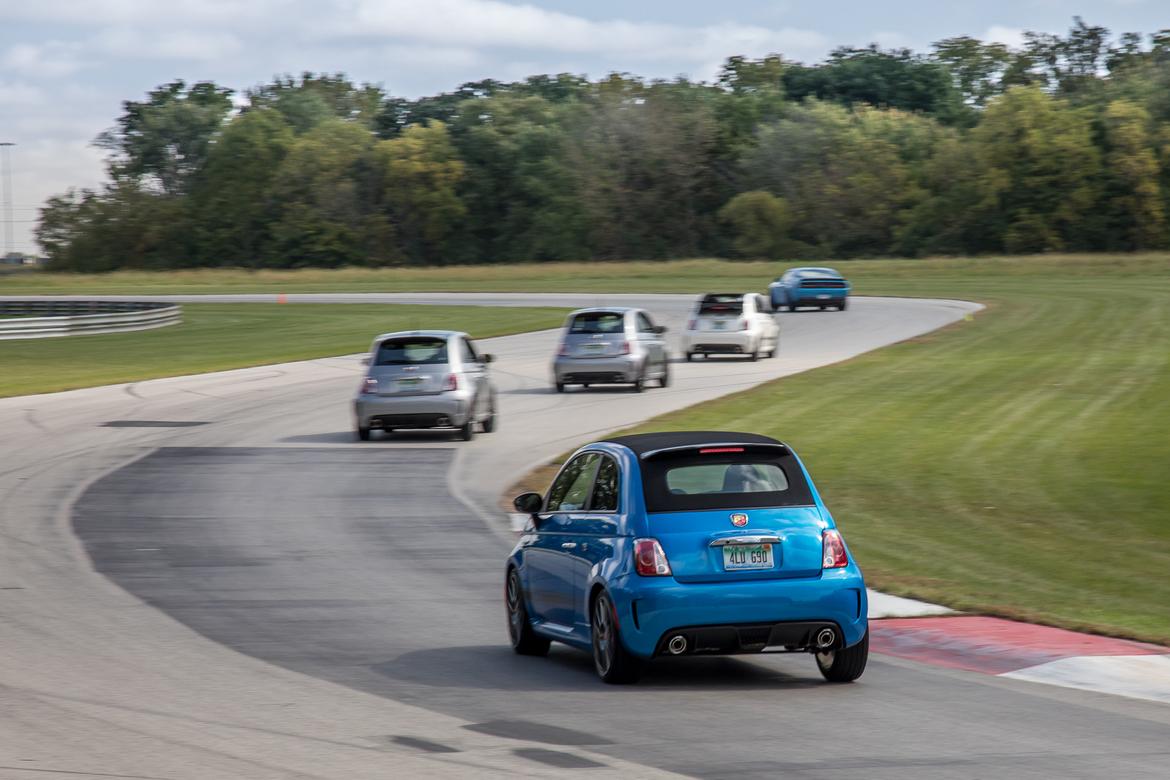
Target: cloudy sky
<point x="66" y="65"/>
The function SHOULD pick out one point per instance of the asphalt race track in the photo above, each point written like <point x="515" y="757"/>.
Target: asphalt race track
<point x="274" y="599"/>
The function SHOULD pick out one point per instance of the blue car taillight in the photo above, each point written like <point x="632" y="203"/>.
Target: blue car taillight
<point x="833" y="550"/>
<point x="650" y="559"/>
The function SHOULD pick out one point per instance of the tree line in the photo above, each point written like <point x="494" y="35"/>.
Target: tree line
<point x="974" y="147"/>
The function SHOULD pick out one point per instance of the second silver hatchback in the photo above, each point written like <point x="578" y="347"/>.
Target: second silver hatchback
<point x="611" y="345"/>
<point x="425" y="379"/>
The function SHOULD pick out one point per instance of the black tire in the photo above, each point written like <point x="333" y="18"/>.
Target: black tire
<point x="844" y="665"/>
<point x="614" y="664"/>
<point x="560" y="387"/>
<point x="844" y="305"/>
<point x="664" y="380"/>
<point x="525" y="641"/>
<point x="363" y="434"/>
<point x="792" y="307"/>
<point x="755" y="354"/>
<point x="640" y="384"/>
<point x="490" y="425"/>
<point x="690" y="356"/>
<point x="467" y="430"/>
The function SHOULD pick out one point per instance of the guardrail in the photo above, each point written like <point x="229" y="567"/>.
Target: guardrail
<point x="46" y="319"/>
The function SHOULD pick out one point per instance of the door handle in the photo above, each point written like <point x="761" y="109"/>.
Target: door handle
<point x="568" y="545"/>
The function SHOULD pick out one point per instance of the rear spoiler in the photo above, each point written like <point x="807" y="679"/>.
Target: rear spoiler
<point x="720" y="446"/>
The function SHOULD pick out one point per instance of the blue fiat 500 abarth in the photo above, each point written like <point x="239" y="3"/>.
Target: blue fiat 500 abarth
<point x="674" y="544"/>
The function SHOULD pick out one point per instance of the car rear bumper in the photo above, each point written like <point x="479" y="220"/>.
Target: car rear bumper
<point x="415" y="411"/>
<point x="739" y="342"/>
<point x="732" y="617"/>
<point x="625" y="368"/>
<point x="825" y="297"/>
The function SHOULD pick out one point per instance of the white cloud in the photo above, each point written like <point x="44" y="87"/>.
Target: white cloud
<point x="1013" y="37"/>
<point x="196" y="45"/>
<point x="494" y="24"/>
<point x="52" y="59"/>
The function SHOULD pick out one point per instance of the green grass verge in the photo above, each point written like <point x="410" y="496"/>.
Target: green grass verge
<point x="1012" y="465"/>
<point x="680" y="276"/>
<point x="215" y="337"/>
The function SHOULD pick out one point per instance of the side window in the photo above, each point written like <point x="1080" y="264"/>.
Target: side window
<point x="468" y="352"/>
<point x="644" y="324"/>
<point x="570" y="490"/>
<point x="605" y="490"/>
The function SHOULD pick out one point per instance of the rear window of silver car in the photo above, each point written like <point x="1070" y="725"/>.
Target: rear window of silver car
<point x="598" y="322"/>
<point x="412" y="351"/>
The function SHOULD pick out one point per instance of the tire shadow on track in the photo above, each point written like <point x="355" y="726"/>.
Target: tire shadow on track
<point x="496" y="667"/>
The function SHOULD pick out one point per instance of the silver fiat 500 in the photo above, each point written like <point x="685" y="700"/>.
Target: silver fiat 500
<point x="425" y="379"/>
<point x="611" y="345"/>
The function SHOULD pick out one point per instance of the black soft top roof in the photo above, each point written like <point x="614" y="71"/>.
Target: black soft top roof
<point x="642" y="443"/>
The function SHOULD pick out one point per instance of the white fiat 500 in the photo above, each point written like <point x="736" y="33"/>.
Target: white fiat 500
<point x="731" y="324"/>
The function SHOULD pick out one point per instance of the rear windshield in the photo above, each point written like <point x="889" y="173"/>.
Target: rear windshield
<point x="724" y="303"/>
<point x="598" y="322"/>
<point x="752" y="478"/>
<point x="413" y="351"/>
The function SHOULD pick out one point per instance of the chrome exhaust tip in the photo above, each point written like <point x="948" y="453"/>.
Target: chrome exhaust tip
<point x="826" y="638"/>
<point x="677" y="644"/>
<point x="444" y="421"/>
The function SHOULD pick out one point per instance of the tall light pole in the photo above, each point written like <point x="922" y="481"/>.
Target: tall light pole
<point x="6" y="180"/>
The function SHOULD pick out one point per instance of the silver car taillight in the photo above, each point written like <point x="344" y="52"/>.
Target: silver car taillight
<point x="369" y="386"/>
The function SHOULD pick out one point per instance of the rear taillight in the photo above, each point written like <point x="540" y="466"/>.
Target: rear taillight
<point x="693" y="325"/>
<point x="451" y="383"/>
<point x="625" y="347"/>
<point x="369" y="386"/>
<point x="564" y="350"/>
<point x="743" y="324"/>
<point x="649" y="559"/>
<point x="833" y="551"/>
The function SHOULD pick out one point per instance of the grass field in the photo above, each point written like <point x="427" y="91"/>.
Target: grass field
<point x="214" y="337"/>
<point x="1014" y="465"/>
<point x="675" y="276"/>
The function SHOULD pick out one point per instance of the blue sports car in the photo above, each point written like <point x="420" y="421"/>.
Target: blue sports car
<point x="674" y="544"/>
<point x="819" y="287"/>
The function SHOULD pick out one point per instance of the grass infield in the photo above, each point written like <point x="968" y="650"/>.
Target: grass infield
<point x="215" y="337"/>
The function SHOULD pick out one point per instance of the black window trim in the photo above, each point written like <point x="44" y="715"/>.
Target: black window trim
<point x="546" y="511"/>
<point x="617" y="467"/>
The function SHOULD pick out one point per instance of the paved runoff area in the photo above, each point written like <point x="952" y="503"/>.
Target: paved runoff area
<point x="206" y="577"/>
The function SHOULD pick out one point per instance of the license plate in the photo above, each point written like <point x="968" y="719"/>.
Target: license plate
<point x="747" y="556"/>
<point x="824" y="297"/>
<point x="594" y="348"/>
<point x="409" y="383"/>
<point x="719" y="325"/>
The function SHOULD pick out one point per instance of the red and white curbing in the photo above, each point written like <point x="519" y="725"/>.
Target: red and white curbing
<point x="1023" y="651"/>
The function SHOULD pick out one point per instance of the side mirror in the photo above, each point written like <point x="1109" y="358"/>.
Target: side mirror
<point x="528" y="503"/>
<point x="485" y="359"/>
<point x="659" y="329"/>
